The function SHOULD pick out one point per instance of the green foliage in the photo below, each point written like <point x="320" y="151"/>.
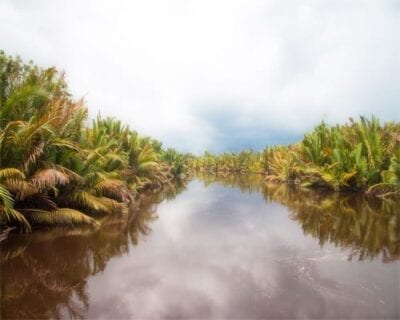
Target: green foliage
<point x="61" y="216"/>
<point x="178" y="162"/>
<point x="56" y="171"/>
<point x="51" y="163"/>
<point x="363" y="155"/>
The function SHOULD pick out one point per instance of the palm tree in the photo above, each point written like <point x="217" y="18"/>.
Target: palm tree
<point x="53" y="169"/>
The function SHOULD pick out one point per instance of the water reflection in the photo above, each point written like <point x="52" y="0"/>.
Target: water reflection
<point x="225" y="248"/>
<point x="44" y="274"/>
<point x="368" y="225"/>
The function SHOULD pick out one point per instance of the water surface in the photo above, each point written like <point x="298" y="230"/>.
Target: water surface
<point x="232" y="248"/>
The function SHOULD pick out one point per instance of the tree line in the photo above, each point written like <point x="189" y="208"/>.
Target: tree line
<point x="55" y="169"/>
<point x="361" y="155"/>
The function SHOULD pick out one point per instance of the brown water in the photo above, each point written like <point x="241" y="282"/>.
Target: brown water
<point x="227" y="249"/>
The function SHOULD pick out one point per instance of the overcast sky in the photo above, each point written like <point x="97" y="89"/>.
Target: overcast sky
<point x="217" y="75"/>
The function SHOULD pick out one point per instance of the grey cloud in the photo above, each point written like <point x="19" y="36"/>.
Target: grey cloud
<point x="214" y="74"/>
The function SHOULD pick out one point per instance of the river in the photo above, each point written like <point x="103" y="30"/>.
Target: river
<point x="221" y="248"/>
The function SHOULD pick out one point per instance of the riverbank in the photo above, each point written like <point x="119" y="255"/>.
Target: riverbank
<point x="361" y="155"/>
<point x="57" y="170"/>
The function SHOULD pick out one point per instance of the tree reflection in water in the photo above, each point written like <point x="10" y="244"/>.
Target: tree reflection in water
<point x="45" y="273"/>
<point x="368" y="225"/>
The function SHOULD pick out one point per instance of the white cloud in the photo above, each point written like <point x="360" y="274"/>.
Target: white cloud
<point x="158" y="64"/>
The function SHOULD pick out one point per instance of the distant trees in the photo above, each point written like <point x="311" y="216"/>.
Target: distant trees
<point x="360" y="155"/>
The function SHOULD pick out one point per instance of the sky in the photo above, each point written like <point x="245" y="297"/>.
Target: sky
<point x="217" y="75"/>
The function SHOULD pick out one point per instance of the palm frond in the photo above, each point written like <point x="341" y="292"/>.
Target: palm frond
<point x="21" y="189"/>
<point x="5" y="197"/>
<point x="32" y="156"/>
<point x="15" y="216"/>
<point x="114" y="189"/>
<point x="9" y="215"/>
<point x="62" y="217"/>
<point x="49" y="178"/>
<point x="8" y="173"/>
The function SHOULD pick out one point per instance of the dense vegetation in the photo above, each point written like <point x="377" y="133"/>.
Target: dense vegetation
<point x="54" y="169"/>
<point x="360" y="155"/>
